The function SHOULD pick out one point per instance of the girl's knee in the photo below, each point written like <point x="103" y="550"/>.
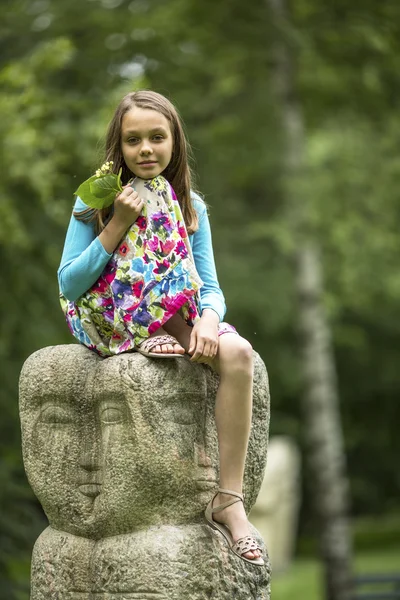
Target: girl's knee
<point x="245" y="350"/>
<point x="238" y="353"/>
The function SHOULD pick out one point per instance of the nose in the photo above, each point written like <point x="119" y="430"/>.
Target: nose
<point x="89" y="457"/>
<point x="201" y="457"/>
<point x="146" y="148"/>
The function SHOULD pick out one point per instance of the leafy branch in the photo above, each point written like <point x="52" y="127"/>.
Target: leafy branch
<point x="99" y="191"/>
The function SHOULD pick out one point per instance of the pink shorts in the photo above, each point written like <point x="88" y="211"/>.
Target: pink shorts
<point x="226" y="328"/>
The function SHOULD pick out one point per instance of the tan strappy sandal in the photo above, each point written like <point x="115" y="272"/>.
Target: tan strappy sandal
<point x="158" y="340"/>
<point x="242" y="545"/>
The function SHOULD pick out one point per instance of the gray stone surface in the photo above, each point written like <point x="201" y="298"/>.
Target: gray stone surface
<point x="122" y="454"/>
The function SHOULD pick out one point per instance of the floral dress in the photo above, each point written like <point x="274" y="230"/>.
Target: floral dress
<point x="150" y="276"/>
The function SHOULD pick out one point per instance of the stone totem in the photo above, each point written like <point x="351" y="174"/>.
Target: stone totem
<point x="122" y="453"/>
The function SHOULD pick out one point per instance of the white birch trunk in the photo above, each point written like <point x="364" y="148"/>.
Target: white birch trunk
<point x="325" y="456"/>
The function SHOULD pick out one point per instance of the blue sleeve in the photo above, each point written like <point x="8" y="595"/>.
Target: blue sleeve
<point x="211" y="295"/>
<point x="83" y="258"/>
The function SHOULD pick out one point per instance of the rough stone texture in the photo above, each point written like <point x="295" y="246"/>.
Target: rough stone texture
<point x="122" y="454"/>
<point x="275" y="514"/>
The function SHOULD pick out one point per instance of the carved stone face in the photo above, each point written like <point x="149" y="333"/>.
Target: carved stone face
<point x="114" y="445"/>
<point x="122" y="454"/>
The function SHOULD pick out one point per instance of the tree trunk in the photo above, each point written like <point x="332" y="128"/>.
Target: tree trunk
<point x="325" y="456"/>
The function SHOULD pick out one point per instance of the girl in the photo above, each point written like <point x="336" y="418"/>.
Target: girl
<point x="129" y="278"/>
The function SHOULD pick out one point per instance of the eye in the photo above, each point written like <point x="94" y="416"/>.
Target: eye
<point x="180" y="414"/>
<point x="158" y="137"/>
<point x="184" y="418"/>
<point x="111" y="415"/>
<point x="56" y="415"/>
<point x="132" y="140"/>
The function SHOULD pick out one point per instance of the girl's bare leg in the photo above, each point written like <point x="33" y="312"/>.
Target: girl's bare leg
<point x="234" y="363"/>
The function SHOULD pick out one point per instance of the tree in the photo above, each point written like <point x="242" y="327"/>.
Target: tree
<point x="322" y="424"/>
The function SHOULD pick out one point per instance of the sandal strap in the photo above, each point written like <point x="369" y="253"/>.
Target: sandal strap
<point x="245" y="544"/>
<point x="231" y="493"/>
<point x="238" y="498"/>
<point x="157" y="340"/>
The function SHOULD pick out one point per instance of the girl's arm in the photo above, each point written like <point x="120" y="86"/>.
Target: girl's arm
<point x="83" y="259"/>
<point x="211" y="295"/>
<point x="204" y="337"/>
<point x="85" y="255"/>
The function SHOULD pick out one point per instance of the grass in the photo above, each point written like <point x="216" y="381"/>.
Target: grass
<point x="303" y="580"/>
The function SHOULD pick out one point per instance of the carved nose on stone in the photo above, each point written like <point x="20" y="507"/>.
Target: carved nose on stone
<point x="89" y="457"/>
<point x="201" y="457"/>
<point x="88" y="463"/>
<point x="206" y="477"/>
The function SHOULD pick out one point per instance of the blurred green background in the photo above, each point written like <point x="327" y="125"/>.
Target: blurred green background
<point x="63" y="68"/>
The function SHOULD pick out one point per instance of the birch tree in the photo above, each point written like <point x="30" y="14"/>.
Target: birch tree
<point x="320" y="402"/>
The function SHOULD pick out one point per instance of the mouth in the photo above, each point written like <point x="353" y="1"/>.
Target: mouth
<point x="90" y="489"/>
<point x="205" y="484"/>
<point x="147" y="163"/>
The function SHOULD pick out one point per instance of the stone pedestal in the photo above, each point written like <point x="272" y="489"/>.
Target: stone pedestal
<point x="122" y="454"/>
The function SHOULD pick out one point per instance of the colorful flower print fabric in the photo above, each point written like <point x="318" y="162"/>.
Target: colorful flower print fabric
<point x="149" y="278"/>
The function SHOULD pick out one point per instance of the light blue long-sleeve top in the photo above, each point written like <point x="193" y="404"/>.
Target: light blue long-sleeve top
<point x="84" y="259"/>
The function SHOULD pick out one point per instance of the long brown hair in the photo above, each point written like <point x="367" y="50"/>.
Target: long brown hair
<point x="178" y="171"/>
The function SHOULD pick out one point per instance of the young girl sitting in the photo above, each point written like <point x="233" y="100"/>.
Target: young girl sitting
<point x="130" y="276"/>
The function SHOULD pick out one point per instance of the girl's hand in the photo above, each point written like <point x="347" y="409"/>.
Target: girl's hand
<point x="204" y="338"/>
<point x="127" y="207"/>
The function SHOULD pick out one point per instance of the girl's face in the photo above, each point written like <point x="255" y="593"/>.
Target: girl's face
<point x="146" y="142"/>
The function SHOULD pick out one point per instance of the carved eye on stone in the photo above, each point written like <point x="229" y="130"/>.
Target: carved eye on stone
<point x="111" y="415"/>
<point x="182" y="416"/>
<point x="56" y="415"/>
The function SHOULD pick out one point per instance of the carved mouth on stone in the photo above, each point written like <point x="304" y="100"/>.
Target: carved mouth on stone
<point x="205" y="484"/>
<point x="90" y="489"/>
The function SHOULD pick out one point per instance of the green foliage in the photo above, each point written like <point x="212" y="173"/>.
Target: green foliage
<point x="99" y="191"/>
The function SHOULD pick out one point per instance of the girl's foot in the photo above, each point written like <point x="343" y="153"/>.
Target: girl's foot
<point x="165" y="347"/>
<point x="235" y="518"/>
<point x="177" y="327"/>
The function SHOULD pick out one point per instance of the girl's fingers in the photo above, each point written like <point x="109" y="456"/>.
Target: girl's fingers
<point x="136" y="204"/>
<point x="198" y="352"/>
<point x="128" y="192"/>
<point x="213" y="352"/>
<point x="131" y="202"/>
<point x="207" y="350"/>
<point x="204" y="350"/>
<point x="131" y="198"/>
<point x="192" y="342"/>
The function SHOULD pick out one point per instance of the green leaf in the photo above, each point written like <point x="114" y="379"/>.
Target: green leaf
<point x="100" y="192"/>
<point x="119" y="179"/>
<point x="107" y="184"/>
